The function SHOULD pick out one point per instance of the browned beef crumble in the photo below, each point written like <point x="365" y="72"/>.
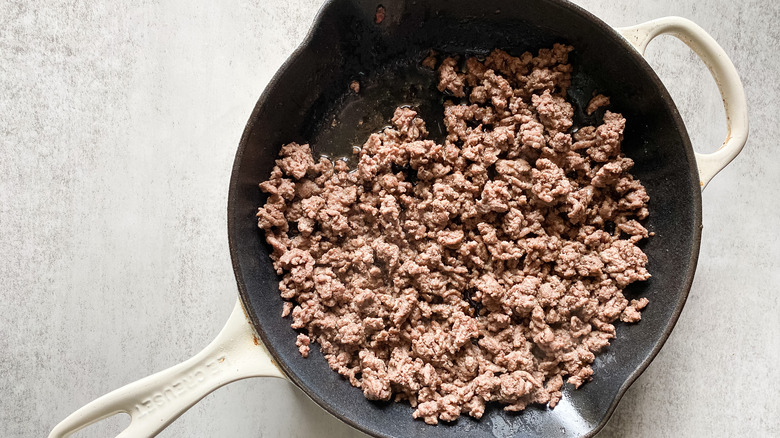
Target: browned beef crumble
<point x="486" y="268"/>
<point x="597" y="102"/>
<point x="354" y="86"/>
<point x="380" y="14"/>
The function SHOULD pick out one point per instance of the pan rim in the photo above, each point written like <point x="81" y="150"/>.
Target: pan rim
<point x="686" y="284"/>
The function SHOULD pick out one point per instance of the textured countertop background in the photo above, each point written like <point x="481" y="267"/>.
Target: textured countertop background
<point x="118" y="126"/>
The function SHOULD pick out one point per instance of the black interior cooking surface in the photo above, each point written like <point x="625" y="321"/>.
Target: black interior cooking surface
<point x="309" y="101"/>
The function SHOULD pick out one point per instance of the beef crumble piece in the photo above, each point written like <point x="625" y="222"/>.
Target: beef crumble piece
<point x="486" y="268"/>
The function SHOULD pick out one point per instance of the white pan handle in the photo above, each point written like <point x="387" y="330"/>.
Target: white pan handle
<point x="155" y="401"/>
<point x="722" y="70"/>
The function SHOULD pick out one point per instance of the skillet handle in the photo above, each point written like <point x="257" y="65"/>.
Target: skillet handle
<point x="155" y="401"/>
<point x="722" y="70"/>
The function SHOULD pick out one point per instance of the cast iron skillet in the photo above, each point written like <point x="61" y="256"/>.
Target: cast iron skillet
<point x="309" y="101"/>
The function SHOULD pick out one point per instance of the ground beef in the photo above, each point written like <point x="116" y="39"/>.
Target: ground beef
<point x="450" y="79"/>
<point x="489" y="267"/>
<point x="354" y="86"/>
<point x="597" y="102"/>
<point x="380" y="14"/>
<point x="430" y="60"/>
<point x="302" y="342"/>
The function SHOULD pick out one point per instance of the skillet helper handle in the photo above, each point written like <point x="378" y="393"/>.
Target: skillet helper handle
<point x="724" y="73"/>
<point x="155" y="401"/>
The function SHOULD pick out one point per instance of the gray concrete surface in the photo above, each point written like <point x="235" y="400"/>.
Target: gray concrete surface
<point x="118" y="125"/>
